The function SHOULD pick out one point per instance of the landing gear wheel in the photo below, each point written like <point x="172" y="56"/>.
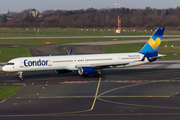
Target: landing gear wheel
<point x="97" y="74"/>
<point x="21" y="76"/>
<point x="21" y="79"/>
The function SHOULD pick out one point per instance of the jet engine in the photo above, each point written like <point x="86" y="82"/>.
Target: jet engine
<point x="86" y="70"/>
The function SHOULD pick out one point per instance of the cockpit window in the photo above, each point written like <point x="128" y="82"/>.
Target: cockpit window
<point x="10" y="63"/>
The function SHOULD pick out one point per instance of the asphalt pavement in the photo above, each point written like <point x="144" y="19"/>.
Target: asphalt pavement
<point x="148" y="92"/>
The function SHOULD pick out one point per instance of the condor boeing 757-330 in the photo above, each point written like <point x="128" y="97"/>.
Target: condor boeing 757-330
<point x="89" y="63"/>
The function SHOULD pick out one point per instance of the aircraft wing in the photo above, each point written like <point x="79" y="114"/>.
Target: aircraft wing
<point x="104" y="65"/>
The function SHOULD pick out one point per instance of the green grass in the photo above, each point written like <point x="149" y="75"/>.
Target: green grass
<point x="125" y="48"/>
<point x="63" y="32"/>
<point x="69" y="32"/>
<point x="6" y="91"/>
<point x="7" y="54"/>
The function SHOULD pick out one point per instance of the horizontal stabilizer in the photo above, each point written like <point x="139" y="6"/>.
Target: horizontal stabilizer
<point x="161" y="56"/>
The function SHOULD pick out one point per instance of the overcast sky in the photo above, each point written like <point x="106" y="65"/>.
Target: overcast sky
<point x="41" y="5"/>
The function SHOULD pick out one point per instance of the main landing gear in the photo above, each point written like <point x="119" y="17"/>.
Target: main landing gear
<point x="20" y="76"/>
<point x="97" y="73"/>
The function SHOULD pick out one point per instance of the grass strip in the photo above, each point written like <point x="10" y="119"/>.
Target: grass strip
<point x="65" y="32"/>
<point x="49" y="32"/>
<point x="7" y="54"/>
<point x="6" y="91"/>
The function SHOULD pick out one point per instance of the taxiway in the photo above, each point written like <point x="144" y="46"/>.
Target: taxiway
<point x="148" y="92"/>
<point x="136" y="93"/>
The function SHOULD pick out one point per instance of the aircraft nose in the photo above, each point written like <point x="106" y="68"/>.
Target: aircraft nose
<point x="4" y="68"/>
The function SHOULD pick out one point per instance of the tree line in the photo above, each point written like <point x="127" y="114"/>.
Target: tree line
<point x="93" y="18"/>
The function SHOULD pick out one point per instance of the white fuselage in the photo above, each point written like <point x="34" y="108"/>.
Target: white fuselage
<point x="70" y="62"/>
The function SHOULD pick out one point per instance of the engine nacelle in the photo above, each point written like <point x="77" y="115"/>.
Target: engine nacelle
<point x="62" y="71"/>
<point x="86" y="70"/>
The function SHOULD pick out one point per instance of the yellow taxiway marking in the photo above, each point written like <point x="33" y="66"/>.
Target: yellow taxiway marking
<point x="132" y="85"/>
<point x="67" y="50"/>
<point x="102" y="97"/>
<point x="121" y="88"/>
<point x="67" y="97"/>
<point x="61" y="114"/>
<point x="137" y="105"/>
<point x="96" y="94"/>
<point x="99" y="97"/>
<point x="132" y="96"/>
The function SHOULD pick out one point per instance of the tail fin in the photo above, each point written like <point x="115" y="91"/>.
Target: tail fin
<point x="152" y="46"/>
<point x="70" y="52"/>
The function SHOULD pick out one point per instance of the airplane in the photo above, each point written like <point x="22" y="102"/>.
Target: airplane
<point x="88" y="64"/>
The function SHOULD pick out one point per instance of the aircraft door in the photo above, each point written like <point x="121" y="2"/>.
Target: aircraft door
<point x="50" y="62"/>
<point x="21" y="64"/>
<point x="119" y="59"/>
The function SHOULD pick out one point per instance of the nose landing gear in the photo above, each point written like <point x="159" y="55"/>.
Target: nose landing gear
<point x="20" y="76"/>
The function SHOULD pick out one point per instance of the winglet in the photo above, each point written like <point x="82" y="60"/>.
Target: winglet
<point x="70" y="52"/>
